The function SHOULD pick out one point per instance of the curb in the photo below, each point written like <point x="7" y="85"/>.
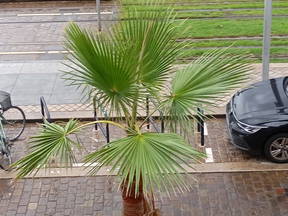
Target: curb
<point x="207" y="168"/>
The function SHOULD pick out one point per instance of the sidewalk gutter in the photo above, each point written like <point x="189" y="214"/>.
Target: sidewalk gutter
<point x="231" y="167"/>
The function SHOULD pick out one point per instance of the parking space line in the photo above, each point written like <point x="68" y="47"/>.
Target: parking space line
<point x="209" y="154"/>
<point x="205" y="129"/>
<point x="21" y="53"/>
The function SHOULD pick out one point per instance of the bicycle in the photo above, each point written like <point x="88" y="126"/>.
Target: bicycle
<point x="12" y="125"/>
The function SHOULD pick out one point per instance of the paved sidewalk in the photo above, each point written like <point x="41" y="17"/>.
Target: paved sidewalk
<point x="28" y="81"/>
<point x="218" y="194"/>
<point x="31" y="51"/>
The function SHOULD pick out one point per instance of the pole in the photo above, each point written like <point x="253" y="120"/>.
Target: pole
<point x="98" y="14"/>
<point x="266" y="39"/>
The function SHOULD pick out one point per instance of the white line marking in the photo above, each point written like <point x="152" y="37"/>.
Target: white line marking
<point x="55" y="51"/>
<point x="93" y="13"/>
<point x="209" y="154"/>
<point x="65" y="14"/>
<point x="205" y="130"/>
<point x="21" y="53"/>
<point x="34" y="52"/>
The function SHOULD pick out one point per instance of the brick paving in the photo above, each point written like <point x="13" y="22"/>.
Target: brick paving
<point x="237" y="194"/>
<point x="217" y="139"/>
<point x="222" y="149"/>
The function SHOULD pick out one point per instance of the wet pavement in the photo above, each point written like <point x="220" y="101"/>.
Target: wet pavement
<point x="31" y="48"/>
<point x="31" y="75"/>
<point x="31" y="52"/>
<point x="224" y="194"/>
<point x="217" y="139"/>
<point x="218" y="194"/>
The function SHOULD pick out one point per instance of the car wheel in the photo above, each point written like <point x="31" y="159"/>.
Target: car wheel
<point x="276" y="148"/>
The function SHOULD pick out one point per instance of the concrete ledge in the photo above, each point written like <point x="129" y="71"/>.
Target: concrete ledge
<point x="232" y="167"/>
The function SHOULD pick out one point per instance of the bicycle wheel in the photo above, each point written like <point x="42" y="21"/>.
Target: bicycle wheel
<point x="13" y="122"/>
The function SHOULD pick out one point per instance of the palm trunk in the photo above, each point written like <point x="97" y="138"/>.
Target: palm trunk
<point x="137" y="205"/>
<point x="133" y="205"/>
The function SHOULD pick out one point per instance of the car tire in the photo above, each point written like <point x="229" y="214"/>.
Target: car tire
<point x="276" y="148"/>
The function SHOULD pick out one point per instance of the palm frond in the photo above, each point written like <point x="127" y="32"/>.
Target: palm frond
<point x="50" y="145"/>
<point x="148" y="40"/>
<point x="94" y="61"/>
<point x="123" y="65"/>
<point x="150" y="159"/>
<point x="203" y="83"/>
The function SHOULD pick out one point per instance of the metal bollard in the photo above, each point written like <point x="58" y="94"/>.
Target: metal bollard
<point x="200" y="126"/>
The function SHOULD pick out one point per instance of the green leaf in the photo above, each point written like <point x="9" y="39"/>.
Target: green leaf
<point x="123" y="65"/>
<point x="96" y="62"/>
<point x="203" y="82"/>
<point x="150" y="159"/>
<point x="147" y="39"/>
<point x="50" y="145"/>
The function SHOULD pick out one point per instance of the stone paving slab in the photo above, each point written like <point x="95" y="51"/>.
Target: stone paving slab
<point x="229" y="194"/>
<point x="28" y="81"/>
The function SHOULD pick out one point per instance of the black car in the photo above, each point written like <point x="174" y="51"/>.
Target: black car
<point x="257" y="119"/>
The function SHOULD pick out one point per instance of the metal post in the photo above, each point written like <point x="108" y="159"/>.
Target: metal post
<point x="98" y="14"/>
<point x="95" y="113"/>
<point x="200" y="125"/>
<point x="147" y="112"/>
<point x="266" y="39"/>
<point x="162" y="125"/>
<point x="200" y="121"/>
<point x="107" y="133"/>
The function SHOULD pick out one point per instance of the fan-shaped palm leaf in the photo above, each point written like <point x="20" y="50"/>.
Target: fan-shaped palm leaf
<point x="203" y="82"/>
<point x="149" y="39"/>
<point x="123" y="65"/>
<point x="96" y="62"/>
<point x="52" y="143"/>
<point x="150" y="158"/>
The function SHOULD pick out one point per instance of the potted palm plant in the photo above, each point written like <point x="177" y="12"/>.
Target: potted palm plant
<point x="121" y="68"/>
